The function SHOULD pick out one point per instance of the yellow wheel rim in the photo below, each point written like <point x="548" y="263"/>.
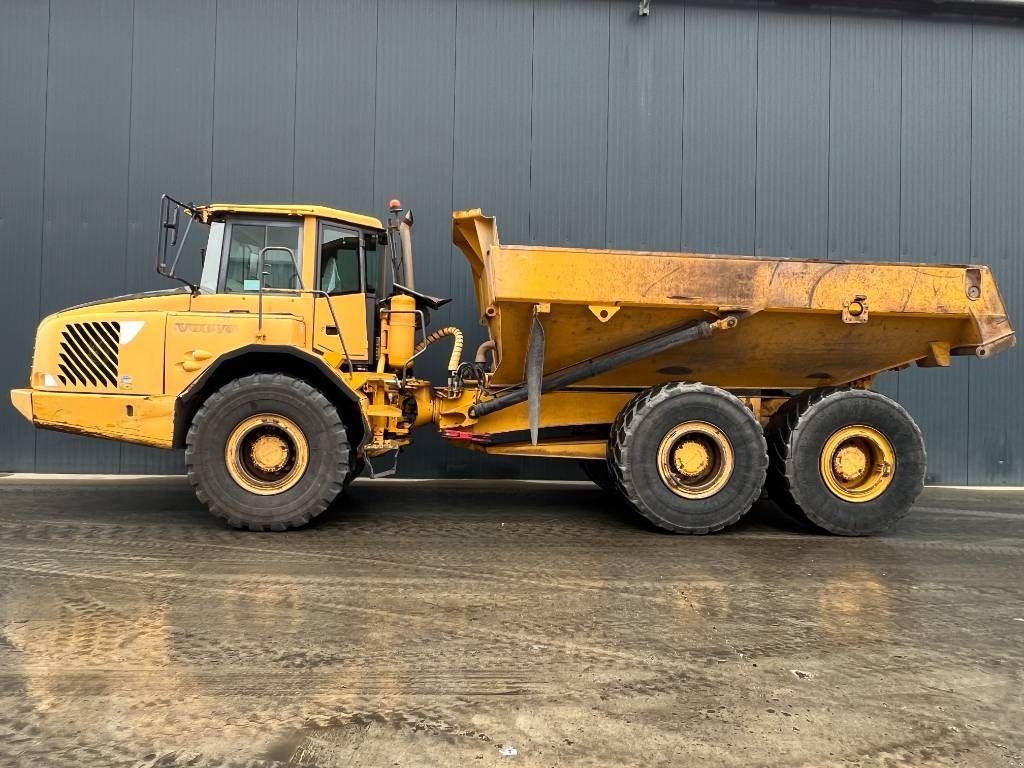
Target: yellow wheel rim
<point x="266" y="454"/>
<point x="695" y="460"/>
<point x="858" y="463"/>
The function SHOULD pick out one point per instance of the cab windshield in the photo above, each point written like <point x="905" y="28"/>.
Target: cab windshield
<point x="211" y="258"/>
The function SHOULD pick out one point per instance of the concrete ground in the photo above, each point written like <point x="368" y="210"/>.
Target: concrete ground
<point x="448" y="623"/>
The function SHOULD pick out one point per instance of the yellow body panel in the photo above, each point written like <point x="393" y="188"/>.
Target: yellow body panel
<point x="21" y="399"/>
<point x="296" y="209"/>
<point x="197" y="340"/>
<point x="553" y="449"/>
<point x="802" y="323"/>
<point x="129" y="418"/>
<point x="566" y="408"/>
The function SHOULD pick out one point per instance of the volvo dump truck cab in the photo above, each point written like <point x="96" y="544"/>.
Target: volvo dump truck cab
<point x="686" y="383"/>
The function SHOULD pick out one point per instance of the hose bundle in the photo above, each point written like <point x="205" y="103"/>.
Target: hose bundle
<point x="456" y="334"/>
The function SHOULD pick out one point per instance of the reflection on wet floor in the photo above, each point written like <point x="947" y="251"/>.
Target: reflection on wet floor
<point x="438" y="623"/>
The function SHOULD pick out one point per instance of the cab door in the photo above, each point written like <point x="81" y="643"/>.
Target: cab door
<point x="340" y="319"/>
<point x="228" y="312"/>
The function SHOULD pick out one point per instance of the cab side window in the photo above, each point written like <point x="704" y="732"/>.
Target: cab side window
<point x="241" y="272"/>
<point x="339" y="260"/>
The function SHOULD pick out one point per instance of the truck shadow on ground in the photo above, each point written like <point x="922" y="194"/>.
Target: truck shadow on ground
<point x="518" y="503"/>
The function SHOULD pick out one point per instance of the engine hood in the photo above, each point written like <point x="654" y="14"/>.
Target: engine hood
<point x="144" y="300"/>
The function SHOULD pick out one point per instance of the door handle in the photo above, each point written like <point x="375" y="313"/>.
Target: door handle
<point x="331" y="330"/>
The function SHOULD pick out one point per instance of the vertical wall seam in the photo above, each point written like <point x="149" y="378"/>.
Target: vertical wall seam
<point x="376" y="98"/>
<point x="213" y="89"/>
<point x="295" y="97"/>
<point x="970" y="237"/>
<point x="448" y="448"/>
<point x="533" y="106"/>
<point x="608" y="125"/>
<point x="127" y="189"/>
<point x="128" y="179"/>
<point x="899" y="161"/>
<point x="757" y="117"/>
<point x="42" y="216"/>
<point x="828" y="147"/>
<point x="682" y="135"/>
<point x="455" y="117"/>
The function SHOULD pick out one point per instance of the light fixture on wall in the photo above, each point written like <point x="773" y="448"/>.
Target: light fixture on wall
<point x="644" y="8"/>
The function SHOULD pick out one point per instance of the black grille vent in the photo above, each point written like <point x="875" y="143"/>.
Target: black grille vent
<point x="88" y="354"/>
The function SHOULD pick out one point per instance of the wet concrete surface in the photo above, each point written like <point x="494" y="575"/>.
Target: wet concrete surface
<point x="438" y="623"/>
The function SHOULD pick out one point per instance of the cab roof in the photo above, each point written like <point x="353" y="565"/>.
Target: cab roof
<point x="292" y="209"/>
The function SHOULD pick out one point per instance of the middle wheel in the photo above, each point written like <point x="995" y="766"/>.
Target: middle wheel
<point x="689" y="457"/>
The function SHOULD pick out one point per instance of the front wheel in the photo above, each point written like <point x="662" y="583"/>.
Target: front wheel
<point x="267" y="452"/>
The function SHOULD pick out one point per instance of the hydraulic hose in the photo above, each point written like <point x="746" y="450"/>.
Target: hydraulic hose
<point x="482" y="351"/>
<point x="456" y="334"/>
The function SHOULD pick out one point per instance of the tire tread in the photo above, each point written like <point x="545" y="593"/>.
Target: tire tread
<point x="316" y="399"/>
<point x="623" y="430"/>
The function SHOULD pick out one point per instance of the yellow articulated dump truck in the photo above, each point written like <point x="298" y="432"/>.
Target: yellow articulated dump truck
<point x="687" y="383"/>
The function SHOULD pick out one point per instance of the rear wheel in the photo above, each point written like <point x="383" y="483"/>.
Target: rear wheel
<point x="688" y="457"/>
<point x="850" y="461"/>
<point x="267" y="452"/>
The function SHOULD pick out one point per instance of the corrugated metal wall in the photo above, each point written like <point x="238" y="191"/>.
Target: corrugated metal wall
<point x="738" y="129"/>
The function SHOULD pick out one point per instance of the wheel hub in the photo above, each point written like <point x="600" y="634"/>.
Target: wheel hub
<point x="691" y="458"/>
<point x="858" y="463"/>
<point x="850" y="462"/>
<point x="695" y="460"/>
<point x="266" y="454"/>
<point x="269" y="453"/>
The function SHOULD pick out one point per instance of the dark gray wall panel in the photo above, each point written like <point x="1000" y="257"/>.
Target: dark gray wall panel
<point x="645" y="129"/>
<point x="936" y="216"/>
<point x="493" y="86"/>
<point x="493" y="117"/>
<point x="86" y="194"/>
<point x="864" y="140"/>
<point x="23" y="34"/>
<point x="792" y="134"/>
<point x="492" y="132"/>
<point x="334" y="132"/>
<point x="254" y="112"/>
<point x="995" y="449"/>
<point x="170" y="150"/>
<point x="719" y="129"/>
<point x="864" y="145"/>
<point x="715" y="128"/>
<point x="413" y="159"/>
<point x="570" y="123"/>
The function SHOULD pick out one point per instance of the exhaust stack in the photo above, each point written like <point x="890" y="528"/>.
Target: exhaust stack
<point x="405" y="235"/>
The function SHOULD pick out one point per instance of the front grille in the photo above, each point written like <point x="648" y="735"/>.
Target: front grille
<point x="88" y="354"/>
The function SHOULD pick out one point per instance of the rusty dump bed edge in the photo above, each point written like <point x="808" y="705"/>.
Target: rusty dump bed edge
<point x="804" y="323"/>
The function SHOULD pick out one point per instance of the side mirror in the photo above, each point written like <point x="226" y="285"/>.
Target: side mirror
<point x="171" y="218"/>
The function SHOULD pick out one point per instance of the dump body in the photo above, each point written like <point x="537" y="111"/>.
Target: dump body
<point x="802" y="323"/>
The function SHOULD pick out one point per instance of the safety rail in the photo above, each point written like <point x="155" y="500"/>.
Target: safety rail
<point x="300" y="290"/>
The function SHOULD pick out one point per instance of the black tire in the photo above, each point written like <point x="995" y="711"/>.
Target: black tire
<point x="278" y="395"/>
<point x="647" y="421"/>
<point x="798" y="434"/>
<point x="358" y="464"/>
<point x="597" y="472"/>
